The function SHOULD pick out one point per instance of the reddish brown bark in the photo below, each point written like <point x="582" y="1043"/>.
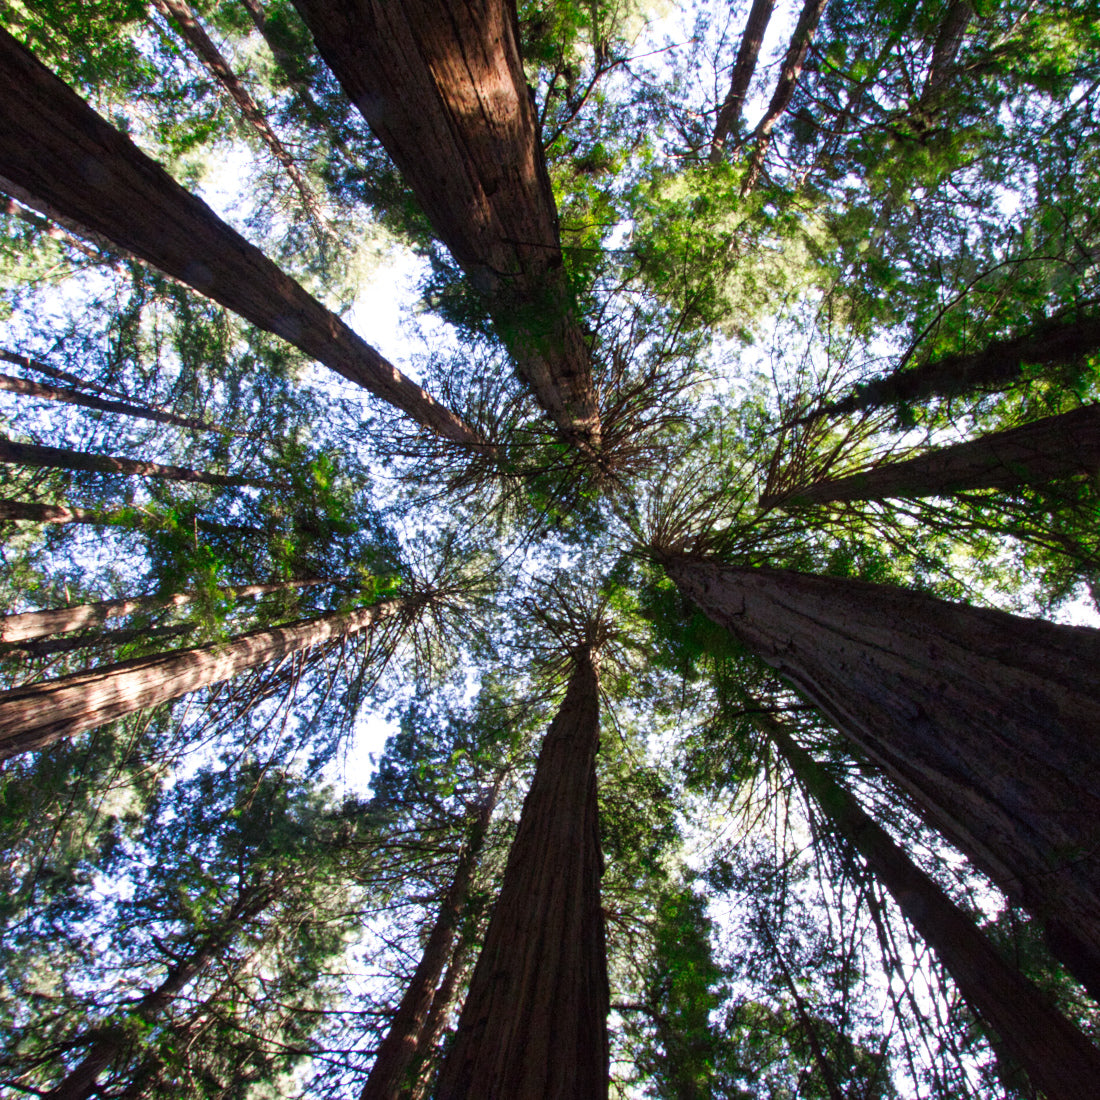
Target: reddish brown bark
<point x="443" y="87"/>
<point x="986" y="720"/>
<point x="1066" y="445"/>
<point x="56" y="458"/>
<point x="535" y="1018"/>
<point x="389" y="1076"/>
<point x="424" y="1065"/>
<point x="1056" y="1055"/>
<point x="39" y="624"/>
<point x="59" y="156"/>
<point x="729" y="116"/>
<point x="801" y="39"/>
<point x="45" y="647"/>
<point x="37" y="715"/>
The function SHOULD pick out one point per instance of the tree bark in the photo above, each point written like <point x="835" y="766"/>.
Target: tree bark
<point x="58" y="458"/>
<point x="179" y="13"/>
<point x="442" y="86"/>
<point x="986" y="720"/>
<point x="59" y="156"/>
<point x="28" y="625"/>
<point x="423" y="1067"/>
<point x="45" y="647"/>
<point x="35" y="512"/>
<point x="37" y="715"/>
<point x="1067" y="445"/>
<point x="1058" y="1058"/>
<point x="995" y="367"/>
<point x="801" y="39"/>
<point x="389" y="1076"/>
<point x="535" y="1018"/>
<point x="729" y="116"/>
<point x="946" y="47"/>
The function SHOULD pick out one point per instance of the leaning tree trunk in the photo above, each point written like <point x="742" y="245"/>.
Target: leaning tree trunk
<point x="996" y="367"/>
<point x="535" y="1018"/>
<point x="945" y="49"/>
<point x="801" y="39"/>
<point x="48" y="647"/>
<point x="82" y="1082"/>
<point x="37" y="715"/>
<point x="1058" y="1058"/>
<point x="389" y="1076"/>
<point x="30" y="511"/>
<point x="59" y="156"/>
<point x="443" y="87"/>
<point x="58" y="458"/>
<point x="424" y="1065"/>
<point x="1054" y="447"/>
<point x="729" y="116"/>
<point x="27" y="625"/>
<point x="987" y="720"/>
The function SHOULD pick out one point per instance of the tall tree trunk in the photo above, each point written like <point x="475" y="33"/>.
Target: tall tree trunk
<point x="81" y="1083"/>
<point x="180" y="13"/>
<point x="27" y="625"/>
<point x="389" y="1076"/>
<point x="801" y="39"/>
<point x="1060" y="446"/>
<point x="37" y="715"/>
<point x="57" y="458"/>
<point x="71" y="396"/>
<point x="422" y="1070"/>
<point x="535" y="1018"/>
<point x="59" y="156"/>
<point x="946" y="47"/>
<point x="45" y="647"/>
<point x="729" y="116"/>
<point x="987" y="720"/>
<point x="996" y="367"/>
<point x="35" y="512"/>
<point x="442" y="85"/>
<point x="1058" y="1058"/>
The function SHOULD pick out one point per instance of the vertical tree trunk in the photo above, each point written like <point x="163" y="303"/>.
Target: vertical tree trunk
<point x="30" y="511"/>
<point x="995" y="367"/>
<point x="194" y="34"/>
<point x="35" y="716"/>
<point x="535" y="1019"/>
<point x="389" y="1076"/>
<point x="423" y="1068"/>
<point x="1060" y="446"/>
<point x="801" y="39"/>
<point x="27" y="625"/>
<point x="729" y="116"/>
<point x="443" y="87"/>
<point x="58" y="155"/>
<point x="1058" y="1058"/>
<point x="946" y="47"/>
<point x="57" y="458"/>
<point x="987" y="720"/>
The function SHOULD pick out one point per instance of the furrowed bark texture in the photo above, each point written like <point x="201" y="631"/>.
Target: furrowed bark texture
<point x="987" y="720"/>
<point x="995" y="367"/>
<point x="729" y="116"/>
<point x="535" y="1018"/>
<point x="35" y="716"/>
<point x="389" y="1076"/>
<point x="442" y="86"/>
<point x="59" y="620"/>
<point x="1057" y="1057"/>
<point x="57" y="458"/>
<point x="1060" y="446"/>
<point x="423" y="1070"/>
<point x="57" y="154"/>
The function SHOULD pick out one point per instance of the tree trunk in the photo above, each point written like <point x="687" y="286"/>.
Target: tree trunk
<point x="422" y="1070"/>
<point x="729" y="117"/>
<point x="45" y="647"/>
<point x="70" y="396"/>
<point x="1058" y="1058"/>
<point x="946" y="47"/>
<point x="442" y="86"/>
<point x="996" y="367"/>
<point x="535" y="1018"/>
<point x="35" y="512"/>
<point x="801" y="39"/>
<point x="81" y="1083"/>
<point x="59" y="156"/>
<point x="390" y="1075"/>
<point x="1060" y="446"/>
<point x="28" y="625"/>
<point x="179" y="13"/>
<point x="986" y="720"/>
<point x="57" y="458"/>
<point x="37" y="715"/>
